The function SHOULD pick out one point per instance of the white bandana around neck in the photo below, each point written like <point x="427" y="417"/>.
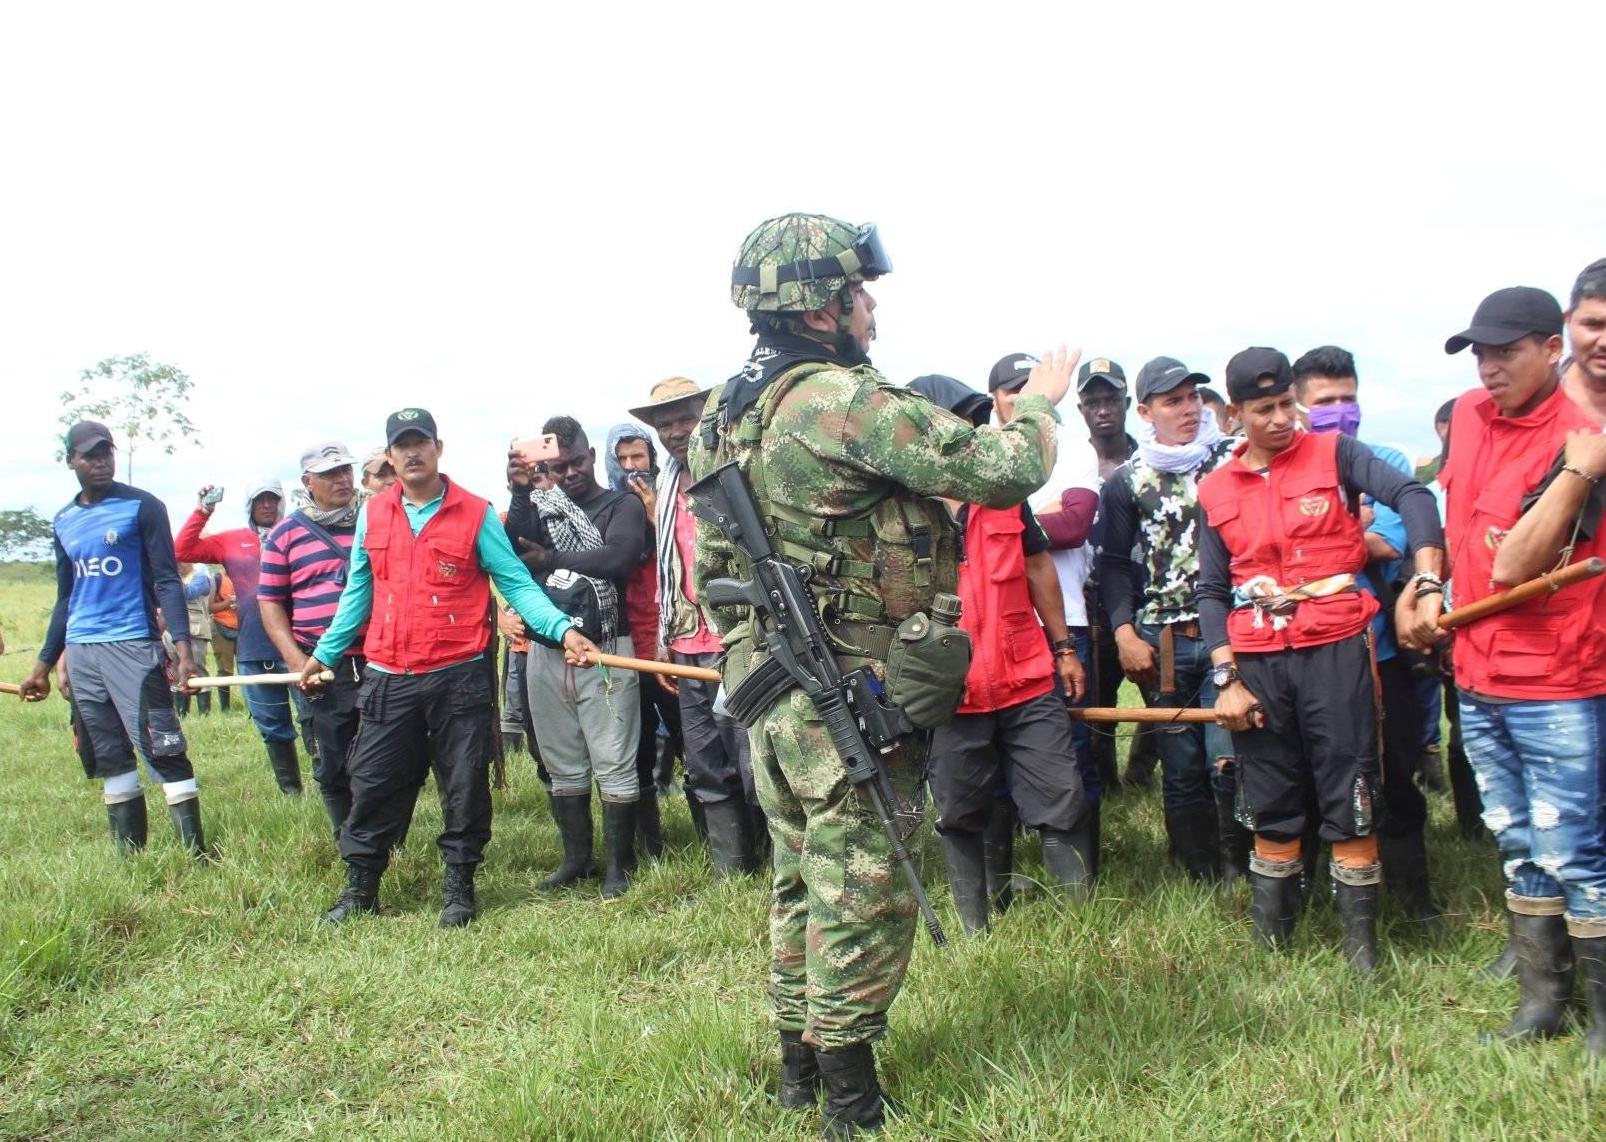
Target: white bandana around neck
<point x="1180" y="458"/>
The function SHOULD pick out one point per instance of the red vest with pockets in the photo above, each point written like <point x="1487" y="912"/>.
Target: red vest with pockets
<point x="1010" y="661"/>
<point x="431" y="596"/>
<point x="1292" y="524"/>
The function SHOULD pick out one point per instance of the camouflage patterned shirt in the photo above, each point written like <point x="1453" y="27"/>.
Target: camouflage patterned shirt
<point x="1153" y="515"/>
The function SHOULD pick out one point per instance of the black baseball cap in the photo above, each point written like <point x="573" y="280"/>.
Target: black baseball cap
<point x="1163" y="374"/>
<point x="406" y="420"/>
<point x="1101" y="369"/>
<point x="1508" y="315"/>
<point x="1258" y="372"/>
<point x="1011" y="372"/>
<point x="955" y="396"/>
<point x="87" y="434"/>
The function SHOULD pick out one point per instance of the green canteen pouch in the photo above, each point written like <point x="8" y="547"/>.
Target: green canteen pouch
<point x="926" y="670"/>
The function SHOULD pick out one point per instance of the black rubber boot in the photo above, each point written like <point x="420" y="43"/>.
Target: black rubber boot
<point x="186" y="817"/>
<point x="649" y="825"/>
<point x="286" y="767"/>
<point x="618" y="846"/>
<point x="181" y="703"/>
<point x="1430" y="767"/>
<point x="1590" y="956"/>
<point x="458" y="907"/>
<point x="1193" y="841"/>
<point x="361" y="894"/>
<point x="572" y="812"/>
<point x="758" y="837"/>
<point x="1233" y="841"/>
<point x="337" y="804"/>
<point x="1142" y="756"/>
<point x="1274" y="908"/>
<point x="1405" y="873"/>
<point x="698" y="823"/>
<point x="965" y="854"/>
<point x="1544" y="977"/>
<point x="223" y="698"/>
<point x="800" y="1073"/>
<point x="130" y="826"/>
<point x="512" y="743"/>
<point x="1503" y="966"/>
<point x="727" y="837"/>
<point x="1068" y="858"/>
<point x="203" y="702"/>
<point x="854" y="1102"/>
<point x="1357" y="913"/>
<point x="999" y="842"/>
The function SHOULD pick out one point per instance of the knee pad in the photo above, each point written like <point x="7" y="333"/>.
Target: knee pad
<point x="123" y="787"/>
<point x="180" y="791"/>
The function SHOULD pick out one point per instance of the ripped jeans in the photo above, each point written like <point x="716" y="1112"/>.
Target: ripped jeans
<point x="1539" y="768"/>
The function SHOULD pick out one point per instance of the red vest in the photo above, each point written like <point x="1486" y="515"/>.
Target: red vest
<point x="1292" y="524"/>
<point x="431" y="596"/>
<point x="1552" y="648"/>
<point x="1010" y="659"/>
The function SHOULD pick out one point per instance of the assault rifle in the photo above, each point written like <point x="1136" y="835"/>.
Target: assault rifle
<point x="862" y="724"/>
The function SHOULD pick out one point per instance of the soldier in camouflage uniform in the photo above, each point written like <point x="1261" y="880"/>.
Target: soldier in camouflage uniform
<point x="844" y="468"/>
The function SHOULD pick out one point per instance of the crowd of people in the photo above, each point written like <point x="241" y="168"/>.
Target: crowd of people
<point x="1247" y="554"/>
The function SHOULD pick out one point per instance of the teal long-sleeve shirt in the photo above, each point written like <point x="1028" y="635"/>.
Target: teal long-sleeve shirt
<point x="495" y="554"/>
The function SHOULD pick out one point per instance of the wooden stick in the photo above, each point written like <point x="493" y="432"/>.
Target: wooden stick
<point x="1522" y="593"/>
<point x="648" y="666"/>
<point x="1159" y="715"/>
<point x="255" y="680"/>
<point x="10" y="688"/>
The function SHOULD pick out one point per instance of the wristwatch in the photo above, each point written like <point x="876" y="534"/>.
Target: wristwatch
<point x="1223" y="674"/>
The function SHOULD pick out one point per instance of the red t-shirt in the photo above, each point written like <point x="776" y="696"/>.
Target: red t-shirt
<point x="1550" y="649"/>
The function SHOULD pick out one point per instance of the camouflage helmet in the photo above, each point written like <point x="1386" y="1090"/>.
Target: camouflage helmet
<point x="799" y="262"/>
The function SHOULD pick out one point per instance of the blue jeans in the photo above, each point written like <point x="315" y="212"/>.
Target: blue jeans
<point x="1189" y="779"/>
<point x="269" y="705"/>
<point x="1539" y="768"/>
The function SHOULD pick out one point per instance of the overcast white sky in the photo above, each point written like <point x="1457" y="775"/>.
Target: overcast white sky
<point x="323" y="212"/>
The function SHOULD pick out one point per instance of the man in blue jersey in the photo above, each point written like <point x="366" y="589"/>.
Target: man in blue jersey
<point x="114" y="568"/>
<point x="1326" y="387"/>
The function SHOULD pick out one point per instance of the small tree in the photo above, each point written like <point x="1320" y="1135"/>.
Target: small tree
<point x="24" y="535"/>
<point x="143" y="399"/>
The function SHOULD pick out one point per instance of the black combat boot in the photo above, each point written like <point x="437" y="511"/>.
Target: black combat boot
<point x="1234" y="842"/>
<point x="572" y="812"/>
<point x="1405" y="873"/>
<point x="361" y="894"/>
<point x="286" y="767"/>
<point x="1357" y="913"/>
<point x="1504" y="965"/>
<point x="1068" y="858"/>
<point x="649" y="825"/>
<point x="618" y="846"/>
<point x="854" y="1101"/>
<point x="800" y="1073"/>
<point x="1274" y="908"/>
<point x="186" y="817"/>
<point x="965" y="854"/>
<point x="457" y="896"/>
<point x="999" y="841"/>
<point x="1544" y="977"/>
<point x="728" y="845"/>
<point x="337" y="804"/>
<point x="130" y="826"/>
<point x="512" y="743"/>
<point x="1590" y="956"/>
<point x="1193" y="841"/>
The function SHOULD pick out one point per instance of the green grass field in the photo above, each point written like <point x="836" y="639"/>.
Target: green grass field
<point x="158" y="998"/>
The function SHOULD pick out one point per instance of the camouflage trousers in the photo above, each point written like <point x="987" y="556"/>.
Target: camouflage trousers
<point x="842" y="921"/>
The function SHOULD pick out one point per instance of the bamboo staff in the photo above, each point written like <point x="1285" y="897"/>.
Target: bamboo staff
<point x="255" y="680"/>
<point x="1157" y="715"/>
<point x="648" y="666"/>
<point x="1522" y="593"/>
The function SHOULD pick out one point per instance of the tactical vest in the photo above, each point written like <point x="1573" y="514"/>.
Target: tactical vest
<point x="869" y="571"/>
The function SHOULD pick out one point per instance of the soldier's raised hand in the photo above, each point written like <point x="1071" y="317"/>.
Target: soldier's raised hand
<point x="1051" y="377"/>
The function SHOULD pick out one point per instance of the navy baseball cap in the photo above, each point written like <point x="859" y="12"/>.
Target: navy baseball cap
<point x="406" y="420"/>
